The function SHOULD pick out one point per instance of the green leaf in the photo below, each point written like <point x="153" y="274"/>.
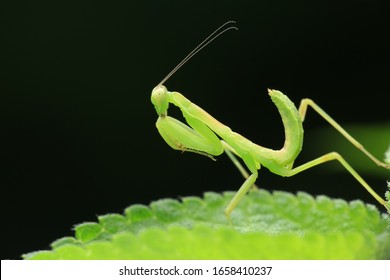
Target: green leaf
<point x="88" y="231"/>
<point x="387" y="160"/>
<point x="265" y="225"/>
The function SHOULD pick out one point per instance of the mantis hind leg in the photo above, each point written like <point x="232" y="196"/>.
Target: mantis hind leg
<point x="339" y="158"/>
<point x="302" y="112"/>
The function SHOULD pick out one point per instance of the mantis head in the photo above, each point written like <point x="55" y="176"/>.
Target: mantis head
<point x="159" y="99"/>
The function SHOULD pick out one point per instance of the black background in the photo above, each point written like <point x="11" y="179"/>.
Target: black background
<point x="78" y="135"/>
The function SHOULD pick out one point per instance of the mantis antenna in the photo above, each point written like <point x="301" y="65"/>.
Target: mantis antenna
<point x="218" y="32"/>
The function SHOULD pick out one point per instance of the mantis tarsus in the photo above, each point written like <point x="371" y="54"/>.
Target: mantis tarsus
<point x="207" y="136"/>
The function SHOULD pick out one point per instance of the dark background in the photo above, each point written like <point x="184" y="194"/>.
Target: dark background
<point x="78" y="135"/>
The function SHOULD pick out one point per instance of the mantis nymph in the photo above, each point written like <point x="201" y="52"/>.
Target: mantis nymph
<point x="207" y="136"/>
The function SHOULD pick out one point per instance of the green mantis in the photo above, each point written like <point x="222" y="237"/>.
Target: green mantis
<point x="207" y="136"/>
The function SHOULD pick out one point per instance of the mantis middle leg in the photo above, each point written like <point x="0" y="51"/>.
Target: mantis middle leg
<point x="232" y="154"/>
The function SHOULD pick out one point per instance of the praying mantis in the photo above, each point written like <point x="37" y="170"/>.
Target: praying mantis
<point x="206" y="136"/>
